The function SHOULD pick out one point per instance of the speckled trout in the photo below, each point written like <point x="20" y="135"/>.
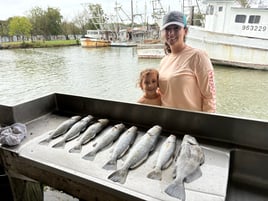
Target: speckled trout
<point x="121" y="147"/>
<point x="74" y="131"/>
<point x="89" y="134"/>
<point x="190" y="158"/>
<point x="61" y="129"/>
<point x="138" y="154"/>
<point x="106" y="139"/>
<point x="165" y="157"/>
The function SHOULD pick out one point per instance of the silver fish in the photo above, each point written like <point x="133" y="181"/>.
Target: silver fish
<point x="74" y="131"/>
<point x="107" y="139"/>
<point x="190" y="158"/>
<point x="122" y="145"/>
<point x="165" y="157"/>
<point x="138" y="154"/>
<point x="89" y="134"/>
<point x="61" y="129"/>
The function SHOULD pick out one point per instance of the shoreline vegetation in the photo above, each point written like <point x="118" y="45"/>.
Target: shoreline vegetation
<point x="39" y="44"/>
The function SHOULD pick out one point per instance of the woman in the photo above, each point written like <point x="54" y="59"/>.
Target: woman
<point x="186" y="75"/>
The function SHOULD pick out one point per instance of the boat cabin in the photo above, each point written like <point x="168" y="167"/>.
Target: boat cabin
<point x="124" y="35"/>
<point x="98" y="34"/>
<point x="225" y="17"/>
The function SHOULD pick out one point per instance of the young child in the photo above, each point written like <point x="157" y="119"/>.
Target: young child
<point x="148" y="82"/>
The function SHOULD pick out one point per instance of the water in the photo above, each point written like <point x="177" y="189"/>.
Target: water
<point x="112" y="73"/>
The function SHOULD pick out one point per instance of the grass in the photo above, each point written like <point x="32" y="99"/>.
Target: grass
<point x="38" y="44"/>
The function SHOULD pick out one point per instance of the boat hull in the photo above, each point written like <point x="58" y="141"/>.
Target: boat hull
<point x="123" y="44"/>
<point x="229" y="49"/>
<point x="88" y="42"/>
<point x="223" y="49"/>
<point x="150" y="51"/>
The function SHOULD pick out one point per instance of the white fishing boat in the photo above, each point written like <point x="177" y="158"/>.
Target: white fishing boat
<point x="123" y="44"/>
<point x="124" y="39"/>
<point x="95" y="38"/>
<point x="232" y="36"/>
<point x="150" y="51"/>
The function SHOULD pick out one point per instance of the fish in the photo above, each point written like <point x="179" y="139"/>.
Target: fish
<point x="74" y="131"/>
<point x="107" y="139"/>
<point x="121" y="147"/>
<point x="89" y="134"/>
<point x="165" y="157"/>
<point x="61" y="129"/>
<point x="137" y="154"/>
<point x="187" y="169"/>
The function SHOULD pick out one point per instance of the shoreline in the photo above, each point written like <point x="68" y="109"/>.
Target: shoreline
<point x="38" y="44"/>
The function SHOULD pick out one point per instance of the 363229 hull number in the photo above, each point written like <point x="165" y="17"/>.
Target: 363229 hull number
<point x="254" y="28"/>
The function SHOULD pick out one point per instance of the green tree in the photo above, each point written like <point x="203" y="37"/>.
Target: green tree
<point x="45" y="22"/>
<point x="246" y="3"/>
<point x="69" y="28"/>
<point x="94" y="16"/>
<point x="243" y="3"/>
<point x="97" y="16"/>
<point x="74" y="30"/>
<point x="3" y="28"/>
<point x="53" y="21"/>
<point x="37" y="18"/>
<point x="65" y="29"/>
<point x="81" y="21"/>
<point x="20" y="26"/>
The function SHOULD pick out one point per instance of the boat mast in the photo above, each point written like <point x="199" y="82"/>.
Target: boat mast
<point x="132" y="20"/>
<point x="158" y="11"/>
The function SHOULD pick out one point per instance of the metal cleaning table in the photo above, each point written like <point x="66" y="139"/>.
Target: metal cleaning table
<point x="225" y="150"/>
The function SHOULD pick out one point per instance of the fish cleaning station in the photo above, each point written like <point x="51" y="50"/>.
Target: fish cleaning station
<point x="235" y="151"/>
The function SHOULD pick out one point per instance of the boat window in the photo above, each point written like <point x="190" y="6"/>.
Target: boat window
<point x="240" y="18"/>
<point x="220" y="9"/>
<point x="254" y="19"/>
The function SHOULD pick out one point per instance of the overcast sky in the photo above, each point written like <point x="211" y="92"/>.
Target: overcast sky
<point x="70" y="8"/>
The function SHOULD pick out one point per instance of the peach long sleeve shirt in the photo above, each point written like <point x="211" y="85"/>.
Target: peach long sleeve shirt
<point x="186" y="81"/>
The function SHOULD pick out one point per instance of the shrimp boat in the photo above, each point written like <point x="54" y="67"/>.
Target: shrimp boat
<point x="95" y="38"/>
<point x="232" y="36"/>
<point x="124" y="39"/>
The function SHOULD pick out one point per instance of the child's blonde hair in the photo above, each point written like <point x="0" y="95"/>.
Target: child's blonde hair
<point x="146" y="72"/>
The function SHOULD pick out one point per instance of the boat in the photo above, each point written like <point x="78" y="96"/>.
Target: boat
<point x="123" y="43"/>
<point x="124" y="39"/>
<point x="232" y="36"/>
<point x="95" y="38"/>
<point x="150" y="51"/>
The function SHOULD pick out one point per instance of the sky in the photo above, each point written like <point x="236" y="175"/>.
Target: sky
<point x="70" y="8"/>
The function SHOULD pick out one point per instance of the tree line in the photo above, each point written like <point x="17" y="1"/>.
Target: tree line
<point x="45" y="23"/>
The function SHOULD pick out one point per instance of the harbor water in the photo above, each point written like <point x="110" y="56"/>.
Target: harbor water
<point x="112" y="73"/>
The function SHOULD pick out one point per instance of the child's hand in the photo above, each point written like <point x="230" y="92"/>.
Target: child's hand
<point x="158" y="91"/>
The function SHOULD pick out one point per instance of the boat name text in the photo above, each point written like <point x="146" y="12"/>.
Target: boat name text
<point x="254" y="28"/>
